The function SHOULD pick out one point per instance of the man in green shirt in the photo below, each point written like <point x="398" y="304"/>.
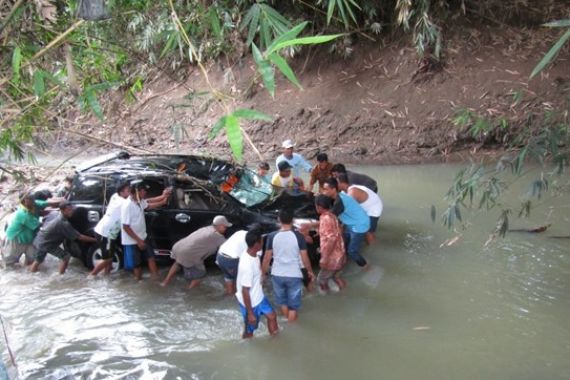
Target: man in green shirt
<point x="22" y="229"/>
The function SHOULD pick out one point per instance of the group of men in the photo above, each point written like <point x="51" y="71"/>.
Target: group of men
<point x="348" y="208"/>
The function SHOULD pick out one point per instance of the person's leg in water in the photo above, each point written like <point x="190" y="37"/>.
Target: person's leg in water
<point x="171" y="273"/>
<point x="354" y="242"/>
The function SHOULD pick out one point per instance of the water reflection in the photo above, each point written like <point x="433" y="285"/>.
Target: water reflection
<point x="426" y="309"/>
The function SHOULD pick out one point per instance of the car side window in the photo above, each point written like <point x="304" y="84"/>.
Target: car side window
<point x="195" y="199"/>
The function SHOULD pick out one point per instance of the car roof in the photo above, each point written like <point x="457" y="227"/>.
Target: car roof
<point x="121" y="162"/>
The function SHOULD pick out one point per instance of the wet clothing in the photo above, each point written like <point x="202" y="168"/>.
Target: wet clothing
<point x="264" y="308"/>
<point x="110" y="224"/>
<point x="373" y="205"/>
<point x="333" y="256"/>
<point x="192" y="250"/>
<point x="132" y="214"/>
<point x="23" y="226"/>
<point x="319" y="175"/>
<point x="229" y="253"/>
<point x="297" y="162"/>
<point x="52" y="235"/>
<point x="362" y="179"/>
<point x="353" y="241"/>
<point x="133" y="255"/>
<point x="249" y="275"/>
<point x="288" y="291"/>
<point x="353" y="217"/>
<point x="13" y="251"/>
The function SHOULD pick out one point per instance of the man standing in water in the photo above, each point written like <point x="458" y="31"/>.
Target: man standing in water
<point x="295" y="160"/>
<point x="288" y="250"/>
<point x="252" y="301"/>
<point x="133" y="232"/>
<point x="109" y="227"/>
<point x="355" y="219"/>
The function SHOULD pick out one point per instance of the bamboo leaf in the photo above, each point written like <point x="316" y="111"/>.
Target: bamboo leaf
<point x="16" y="64"/>
<point x="93" y="103"/>
<point x="233" y="133"/>
<point x="215" y="22"/>
<point x="330" y="10"/>
<point x="265" y="69"/>
<point x="289" y="35"/>
<point x="433" y="213"/>
<point x="39" y="83"/>
<point x="245" y="113"/>
<point x="558" y="24"/>
<point x="252" y="17"/>
<point x="550" y="55"/>
<point x="217" y="128"/>
<point x="314" y="40"/>
<point x="285" y="69"/>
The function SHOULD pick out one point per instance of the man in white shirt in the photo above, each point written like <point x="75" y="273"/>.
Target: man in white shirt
<point x="109" y="227"/>
<point x="133" y="232"/>
<point x="294" y="159"/>
<point x="252" y="301"/>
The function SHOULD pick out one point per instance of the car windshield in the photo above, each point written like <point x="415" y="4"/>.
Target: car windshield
<point x="251" y="189"/>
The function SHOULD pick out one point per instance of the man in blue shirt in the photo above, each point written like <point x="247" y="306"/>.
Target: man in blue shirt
<point x="294" y="159"/>
<point x="354" y="218"/>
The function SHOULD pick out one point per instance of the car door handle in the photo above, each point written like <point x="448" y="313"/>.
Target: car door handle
<point x="182" y="218"/>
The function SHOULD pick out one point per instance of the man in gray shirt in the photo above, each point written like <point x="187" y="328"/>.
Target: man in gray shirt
<point x="190" y="252"/>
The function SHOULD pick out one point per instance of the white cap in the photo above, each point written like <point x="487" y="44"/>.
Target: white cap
<point x="288" y="144"/>
<point x="221" y="220"/>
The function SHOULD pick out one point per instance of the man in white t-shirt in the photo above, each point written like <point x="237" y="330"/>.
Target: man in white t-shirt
<point x="228" y="256"/>
<point x="108" y="229"/>
<point x="288" y="250"/>
<point x="252" y="301"/>
<point x="133" y="232"/>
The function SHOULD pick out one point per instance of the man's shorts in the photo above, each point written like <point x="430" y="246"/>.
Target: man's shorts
<point x="373" y="223"/>
<point x="58" y="252"/>
<point x="194" y="273"/>
<point x="288" y="291"/>
<point x="264" y="308"/>
<point x="108" y="246"/>
<point x="12" y="251"/>
<point x="228" y="266"/>
<point x="325" y="275"/>
<point x="133" y="255"/>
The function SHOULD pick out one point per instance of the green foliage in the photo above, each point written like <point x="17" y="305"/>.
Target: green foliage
<point x="264" y="20"/>
<point x="88" y="100"/>
<point x="345" y="8"/>
<point x="16" y="64"/>
<point x="549" y="56"/>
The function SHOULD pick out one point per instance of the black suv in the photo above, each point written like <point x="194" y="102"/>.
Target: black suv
<point x="202" y="188"/>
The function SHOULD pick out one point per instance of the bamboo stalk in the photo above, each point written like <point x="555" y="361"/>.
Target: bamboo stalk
<point x="56" y="40"/>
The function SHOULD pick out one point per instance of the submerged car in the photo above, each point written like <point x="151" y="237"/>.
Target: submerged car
<point x="202" y="188"/>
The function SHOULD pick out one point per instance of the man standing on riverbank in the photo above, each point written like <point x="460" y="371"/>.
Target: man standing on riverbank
<point x="368" y="200"/>
<point x="288" y="250"/>
<point x="296" y="161"/>
<point x="52" y="235"/>
<point x="191" y="251"/>
<point x="354" y="218"/>
<point x="133" y="231"/>
<point x="252" y="302"/>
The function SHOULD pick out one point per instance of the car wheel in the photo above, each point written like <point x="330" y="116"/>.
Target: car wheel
<point x="94" y="257"/>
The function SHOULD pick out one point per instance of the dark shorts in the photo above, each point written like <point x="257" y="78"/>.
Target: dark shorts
<point x="133" y="256"/>
<point x="228" y="266"/>
<point x="58" y="252"/>
<point x="194" y="273"/>
<point x="373" y="223"/>
<point x="108" y="246"/>
<point x="264" y="308"/>
<point x="288" y="291"/>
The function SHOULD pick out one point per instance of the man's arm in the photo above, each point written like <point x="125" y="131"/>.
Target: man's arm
<point x="86" y="238"/>
<point x="266" y="261"/>
<point x="159" y="201"/>
<point x="134" y="236"/>
<point x="313" y="178"/>
<point x="358" y="195"/>
<point x="247" y="303"/>
<point x="307" y="263"/>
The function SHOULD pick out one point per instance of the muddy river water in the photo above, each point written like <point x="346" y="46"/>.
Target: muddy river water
<point x="425" y="310"/>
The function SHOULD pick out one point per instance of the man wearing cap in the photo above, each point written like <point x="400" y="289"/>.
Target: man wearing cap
<point x="133" y="231"/>
<point x="295" y="160"/>
<point x="190" y="252"/>
<point x="284" y="177"/>
<point x="52" y="235"/>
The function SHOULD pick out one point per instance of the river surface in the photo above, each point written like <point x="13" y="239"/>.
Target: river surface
<point x="426" y="309"/>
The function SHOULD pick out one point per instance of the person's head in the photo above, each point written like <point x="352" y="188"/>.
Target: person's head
<point x="322" y="160"/>
<point x="68" y="181"/>
<point x="27" y="200"/>
<point x="253" y="241"/>
<point x="221" y="224"/>
<point x="124" y="189"/>
<point x="330" y="187"/>
<point x="323" y="203"/>
<point x="286" y="216"/>
<point x="287" y="148"/>
<point x="42" y="195"/>
<point x="66" y="209"/>
<point x="284" y="169"/>
<point x="139" y="189"/>
<point x="262" y="168"/>
<point x="342" y="180"/>
<point x="338" y="169"/>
